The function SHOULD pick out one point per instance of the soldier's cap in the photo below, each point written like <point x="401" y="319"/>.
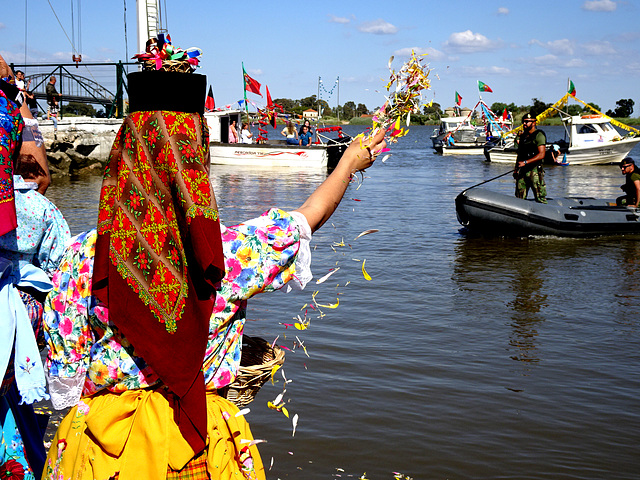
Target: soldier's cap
<point x="528" y="116"/>
<point x="627" y="161"/>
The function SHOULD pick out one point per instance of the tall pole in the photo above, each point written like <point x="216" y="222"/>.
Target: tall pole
<point x="338" y="106"/>
<point x="318" y="98"/>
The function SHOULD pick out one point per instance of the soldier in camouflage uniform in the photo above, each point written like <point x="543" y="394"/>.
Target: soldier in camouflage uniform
<point x="528" y="171"/>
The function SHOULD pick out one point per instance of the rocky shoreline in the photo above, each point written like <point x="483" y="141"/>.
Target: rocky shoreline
<point x="81" y="145"/>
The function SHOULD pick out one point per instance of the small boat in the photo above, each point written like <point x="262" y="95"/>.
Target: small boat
<point x="492" y="213"/>
<point x="275" y="153"/>
<point x="456" y="135"/>
<point x="589" y="140"/>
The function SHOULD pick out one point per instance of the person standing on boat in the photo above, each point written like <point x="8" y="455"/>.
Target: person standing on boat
<point x="631" y="186"/>
<point x="233" y="132"/>
<point x="528" y="170"/>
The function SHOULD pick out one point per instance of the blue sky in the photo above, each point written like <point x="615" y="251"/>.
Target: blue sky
<point x="521" y="50"/>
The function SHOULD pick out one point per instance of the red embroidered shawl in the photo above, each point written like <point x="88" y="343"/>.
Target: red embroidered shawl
<point x="159" y="251"/>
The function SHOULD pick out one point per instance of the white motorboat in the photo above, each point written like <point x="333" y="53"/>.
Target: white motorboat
<point x="275" y="153"/>
<point x="589" y="140"/>
<point x="456" y="135"/>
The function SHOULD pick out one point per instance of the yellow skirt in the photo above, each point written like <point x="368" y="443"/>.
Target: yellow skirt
<point x="132" y="436"/>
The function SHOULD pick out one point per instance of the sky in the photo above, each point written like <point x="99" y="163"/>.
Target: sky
<point x="522" y="50"/>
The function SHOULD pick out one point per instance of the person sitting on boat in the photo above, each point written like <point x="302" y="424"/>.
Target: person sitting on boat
<point x="306" y="137"/>
<point x="631" y="186"/>
<point x="307" y="124"/>
<point x="290" y="132"/>
<point x="245" y="134"/>
<point x="528" y="170"/>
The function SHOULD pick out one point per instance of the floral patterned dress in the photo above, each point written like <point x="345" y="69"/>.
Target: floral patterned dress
<point x="89" y="355"/>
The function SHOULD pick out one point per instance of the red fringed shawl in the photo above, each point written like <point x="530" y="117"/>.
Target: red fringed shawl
<point x="159" y="252"/>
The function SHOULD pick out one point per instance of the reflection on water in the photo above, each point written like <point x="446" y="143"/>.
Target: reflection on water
<point x="526" y="305"/>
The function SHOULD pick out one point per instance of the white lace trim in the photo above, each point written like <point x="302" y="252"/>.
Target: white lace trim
<point x="66" y="391"/>
<point x="303" y="273"/>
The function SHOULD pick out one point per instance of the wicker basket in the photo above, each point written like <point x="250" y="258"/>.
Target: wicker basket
<point x="258" y="359"/>
<point x="180" y="66"/>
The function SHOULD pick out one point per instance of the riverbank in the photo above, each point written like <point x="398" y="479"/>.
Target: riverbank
<point x="80" y="146"/>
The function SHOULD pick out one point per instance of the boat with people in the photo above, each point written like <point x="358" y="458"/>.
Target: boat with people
<point x="468" y="133"/>
<point x="496" y="214"/>
<point x="590" y="139"/>
<point x="275" y="153"/>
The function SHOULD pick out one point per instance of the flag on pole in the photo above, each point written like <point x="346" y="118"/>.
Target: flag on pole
<point x="505" y="115"/>
<point x="572" y="88"/>
<point x="458" y="99"/>
<point x="210" y="103"/>
<point x="483" y="87"/>
<point x="273" y="115"/>
<point x="250" y="85"/>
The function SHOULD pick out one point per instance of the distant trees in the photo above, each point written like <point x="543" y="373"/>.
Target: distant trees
<point x="624" y="108"/>
<point x="78" y="108"/>
<point x="538" y="107"/>
<point x="349" y="110"/>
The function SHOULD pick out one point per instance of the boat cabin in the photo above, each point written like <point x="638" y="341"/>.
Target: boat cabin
<point x="587" y="130"/>
<point x="218" y="123"/>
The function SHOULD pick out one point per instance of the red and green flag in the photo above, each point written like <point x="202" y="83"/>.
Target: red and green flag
<point x="250" y="85"/>
<point x="458" y="99"/>
<point x="483" y="87"/>
<point x="572" y="88"/>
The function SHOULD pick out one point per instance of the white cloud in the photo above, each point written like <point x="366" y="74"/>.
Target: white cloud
<point x="378" y="27"/>
<point x="491" y="70"/>
<point x="469" y="42"/>
<point x="599" y="48"/>
<point x="559" y="47"/>
<point x="599" y="5"/>
<point x="576" y="63"/>
<point x="503" y="11"/>
<point x="334" y="19"/>
<point x="545" y="60"/>
<point x="432" y="53"/>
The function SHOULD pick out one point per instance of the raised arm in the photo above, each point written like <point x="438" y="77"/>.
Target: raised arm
<point x="321" y="204"/>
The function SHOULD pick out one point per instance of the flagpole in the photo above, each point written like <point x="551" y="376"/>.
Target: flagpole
<point x="244" y="84"/>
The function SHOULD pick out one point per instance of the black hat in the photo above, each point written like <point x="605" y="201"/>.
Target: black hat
<point x="528" y="116"/>
<point x="627" y="161"/>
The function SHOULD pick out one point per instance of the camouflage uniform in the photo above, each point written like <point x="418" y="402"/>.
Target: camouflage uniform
<point x="530" y="176"/>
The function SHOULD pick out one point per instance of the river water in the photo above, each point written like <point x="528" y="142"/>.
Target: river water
<point x="462" y="357"/>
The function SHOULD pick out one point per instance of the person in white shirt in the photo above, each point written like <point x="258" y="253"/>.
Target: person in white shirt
<point x="245" y="135"/>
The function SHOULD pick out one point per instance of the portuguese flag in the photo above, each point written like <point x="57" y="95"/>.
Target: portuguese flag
<point x="483" y="87"/>
<point x="458" y="99"/>
<point x="572" y="88"/>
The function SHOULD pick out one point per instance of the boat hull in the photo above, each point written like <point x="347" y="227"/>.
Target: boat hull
<point x="271" y="155"/>
<point x="497" y="214"/>
<point x="597" y="154"/>
<point x="461" y="149"/>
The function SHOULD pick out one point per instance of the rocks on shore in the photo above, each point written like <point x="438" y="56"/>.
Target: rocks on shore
<point x="80" y="146"/>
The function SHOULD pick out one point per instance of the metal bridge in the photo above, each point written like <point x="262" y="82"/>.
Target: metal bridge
<point x="101" y="84"/>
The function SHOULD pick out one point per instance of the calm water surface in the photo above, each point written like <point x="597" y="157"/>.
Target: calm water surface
<point x="462" y="357"/>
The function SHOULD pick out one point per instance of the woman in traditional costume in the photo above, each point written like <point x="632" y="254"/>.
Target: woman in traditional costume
<point x="146" y="318"/>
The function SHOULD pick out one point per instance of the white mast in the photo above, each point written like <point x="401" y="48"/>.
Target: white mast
<point x="149" y="21"/>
